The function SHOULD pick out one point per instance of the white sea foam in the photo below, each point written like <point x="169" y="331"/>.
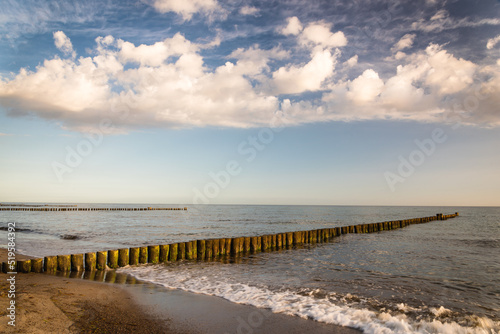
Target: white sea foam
<point x="304" y="305"/>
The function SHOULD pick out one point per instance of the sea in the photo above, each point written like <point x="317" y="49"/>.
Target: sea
<point x="438" y="277"/>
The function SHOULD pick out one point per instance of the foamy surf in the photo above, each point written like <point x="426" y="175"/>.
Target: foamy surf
<point x="329" y="308"/>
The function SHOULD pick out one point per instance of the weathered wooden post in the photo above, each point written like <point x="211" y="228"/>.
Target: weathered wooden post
<point x="215" y="248"/>
<point x="154" y="254"/>
<point x="181" y="251"/>
<point x="209" y="249"/>
<point x="123" y="257"/>
<point x="143" y="254"/>
<point x="90" y="261"/>
<point x="50" y="264"/>
<point x="164" y="250"/>
<point x="174" y="248"/>
<point x="189" y="250"/>
<point x="76" y="262"/>
<point x="113" y="258"/>
<point x="63" y="262"/>
<point x="134" y="256"/>
<point x="37" y="265"/>
<point x="24" y="266"/>
<point x="200" y="245"/>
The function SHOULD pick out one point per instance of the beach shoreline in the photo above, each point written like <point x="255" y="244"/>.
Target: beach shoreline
<point x="54" y="304"/>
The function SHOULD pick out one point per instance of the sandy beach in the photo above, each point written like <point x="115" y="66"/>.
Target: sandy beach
<point x="54" y="304"/>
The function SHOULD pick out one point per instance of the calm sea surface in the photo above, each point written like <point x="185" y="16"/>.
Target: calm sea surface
<point x="439" y="277"/>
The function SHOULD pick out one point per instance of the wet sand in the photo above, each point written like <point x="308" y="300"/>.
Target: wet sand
<point x="53" y="304"/>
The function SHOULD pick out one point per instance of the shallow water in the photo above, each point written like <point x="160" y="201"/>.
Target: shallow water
<point x="439" y="277"/>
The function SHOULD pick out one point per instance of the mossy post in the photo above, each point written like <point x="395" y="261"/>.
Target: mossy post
<point x="215" y="247"/>
<point x="265" y="242"/>
<point x="24" y="266"/>
<point x="76" y="262"/>
<point x="174" y="250"/>
<point x="289" y="239"/>
<point x="209" y="249"/>
<point x="273" y="241"/>
<point x="123" y="257"/>
<point x="101" y="260"/>
<point x="247" y="244"/>
<point x="63" y="263"/>
<point x="201" y="248"/>
<point x="254" y="245"/>
<point x="154" y="254"/>
<point x="297" y="238"/>
<point x="50" y="264"/>
<point x="181" y="251"/>
<point x="143" y="254"/>
<point x="37" y="265"/>
<point x="113" y="258"/>
<point x="164" y="251"/>
<point x="189" y="250"/>
<point x="279" y="241"/>
<point x="134" y="256"/>
<point x="90" y="261"/>
<point x="222" y="247"/>
<point x="195" y="249"/>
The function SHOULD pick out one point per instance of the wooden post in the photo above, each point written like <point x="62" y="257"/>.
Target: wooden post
<point x="164" y="250"/>
<point x="254" y="245"/>
<point x="209" y="249"/>
<point x="189" y="250"/>
<point x="265" y="242"/>
<point x="235" y="246"/>
<point x="63" y="263"/>
<point x="24" y="266"/>
<point x="279" y="241"/>
<point x="174" y="249"/>
<point x="143" y="254"/>
<point x="297" y="239"/>
<point x="215" y="247"/>
<point x="76" y="262"/>
<point x="50" y="264"/>
<point x="201" y="248"/>
<point x="154" y="254"/>
<point x="123" y="257"/>
<point x="181" y="251"/>
<point x="37" y="265"/>
<point x="90" y="261"/>
<point x="134" y="256"/>
<point x="113" y="258"/>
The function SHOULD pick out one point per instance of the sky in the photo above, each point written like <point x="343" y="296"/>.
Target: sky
<point x="294" y="102"/>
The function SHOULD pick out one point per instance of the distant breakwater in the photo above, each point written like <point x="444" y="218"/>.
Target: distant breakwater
<point x="200" y="250"/>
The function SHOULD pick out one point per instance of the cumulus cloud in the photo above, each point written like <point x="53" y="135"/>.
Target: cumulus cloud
<point x="319" y="34"/>
<point x="187" y="8"/>
<point x="63" y="43"/>
<point x="299" y="79"/>
<point x="293" y="27"/>
<point x="492" y="42"/>
<point x="365" y="88"/>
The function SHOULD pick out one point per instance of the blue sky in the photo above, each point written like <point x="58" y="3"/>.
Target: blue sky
<point x="250" y="102"/>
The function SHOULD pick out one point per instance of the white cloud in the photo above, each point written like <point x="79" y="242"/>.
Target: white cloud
<point x="442" y="21"/>
<point x="492" y="42"/>
<point x="293" y="27"/>
<point x="299" y="79"/>
<point x="351" y="62"/>
<point x="404" y="43"/>
<point x="187" y="8"/>
<point x="319" y="34"/>
<point x="63" y="43"/>
<point x="448" y="74"/>
<point x="365" y="88"/>
<point x="249" y="10"/>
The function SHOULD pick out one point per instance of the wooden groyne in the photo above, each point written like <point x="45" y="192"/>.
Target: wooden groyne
<point x="201" y="250"/>
<point x="67" y="208"/>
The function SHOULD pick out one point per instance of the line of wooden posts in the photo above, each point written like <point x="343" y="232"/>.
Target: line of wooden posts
<point x="87" y="209"/>
<point x="201" y="250"/>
